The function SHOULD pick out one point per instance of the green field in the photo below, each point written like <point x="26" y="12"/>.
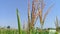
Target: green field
<point x="15" y="31"/>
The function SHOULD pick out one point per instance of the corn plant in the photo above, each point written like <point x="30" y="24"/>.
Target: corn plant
<point x="19" y="25"/>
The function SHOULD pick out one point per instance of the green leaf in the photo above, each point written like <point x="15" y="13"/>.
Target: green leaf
<point x="19" y="25"/>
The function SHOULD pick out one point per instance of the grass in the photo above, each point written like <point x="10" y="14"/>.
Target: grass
<point x="8" y="31"/>
<point x="20" y="31"/>
<point x="19" y="25"/>
<point x="12" y="31"/>
<point x="31" y="22"/>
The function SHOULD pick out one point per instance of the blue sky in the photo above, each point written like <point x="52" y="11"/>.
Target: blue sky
<point x="8" y="12"/>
